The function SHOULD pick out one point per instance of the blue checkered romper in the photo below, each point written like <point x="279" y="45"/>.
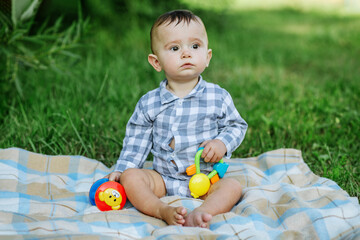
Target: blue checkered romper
<point x="207" y="112"/>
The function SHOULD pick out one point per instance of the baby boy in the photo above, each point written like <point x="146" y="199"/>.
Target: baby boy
<point x="173" y="121"/>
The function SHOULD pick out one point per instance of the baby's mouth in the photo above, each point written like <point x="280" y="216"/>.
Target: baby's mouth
<point x="187" y="65"/>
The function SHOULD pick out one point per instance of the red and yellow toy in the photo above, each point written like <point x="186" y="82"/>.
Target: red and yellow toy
<point x="199" y="184"/>
<point x="107" y="195"/>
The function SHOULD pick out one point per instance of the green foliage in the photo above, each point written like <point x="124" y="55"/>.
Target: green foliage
<point x="23" y="10"/>
<point x="123" y="14"/>
<point x="213" y="5"/>
<point x="45" y="49"/>
<point x="294" y="77"/>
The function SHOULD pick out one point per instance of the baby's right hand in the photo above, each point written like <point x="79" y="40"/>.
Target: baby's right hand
<point x="114" y="176"/>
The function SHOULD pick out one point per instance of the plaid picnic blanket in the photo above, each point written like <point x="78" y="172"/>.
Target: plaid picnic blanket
<point x="44" y="196"/>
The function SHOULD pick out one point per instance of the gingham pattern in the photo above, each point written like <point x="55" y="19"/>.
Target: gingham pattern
<point x="208" y="112"/>
<point x="177" y="187"/>
<point x="45" y="196"/>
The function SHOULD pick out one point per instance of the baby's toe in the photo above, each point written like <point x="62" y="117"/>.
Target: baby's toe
<point x="179" y="217"/>
<point x="180" y="221"/>
<point x="181" y="211"/>
<point x="204" y="225"/>
<point x="206" y="217"/>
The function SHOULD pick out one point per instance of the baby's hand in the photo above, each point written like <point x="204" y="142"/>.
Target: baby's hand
<point x="114" y="176"/>
<point x="214" y="150"/>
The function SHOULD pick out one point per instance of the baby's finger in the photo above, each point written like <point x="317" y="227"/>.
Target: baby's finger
<point x="203" y="144"/>
<point x="205" y="152"/>
<point x="207" y="149"/>
<point x="216" y="158"/>
<point x="209" y="156"/>
<point x="213" y="159"/>
<point x="115" y="176"/>
<point x="111" y="177"/>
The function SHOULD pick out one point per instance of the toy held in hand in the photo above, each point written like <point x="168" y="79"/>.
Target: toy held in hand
<point x="200" y="183"/>
<point x="107" y="195"/>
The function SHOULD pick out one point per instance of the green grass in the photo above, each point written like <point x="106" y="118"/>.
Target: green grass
<point x="294" y="77"/>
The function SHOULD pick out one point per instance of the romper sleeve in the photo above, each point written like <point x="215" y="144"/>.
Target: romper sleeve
<point x="232" y="127"/>
<point x="137" y="142"/>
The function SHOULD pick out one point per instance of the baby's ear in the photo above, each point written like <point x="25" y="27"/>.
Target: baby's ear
<point x="153" y="60"/>
<point x="209" y="56"/>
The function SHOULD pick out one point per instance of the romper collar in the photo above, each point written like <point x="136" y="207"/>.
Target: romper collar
<point x="166" y="96"/>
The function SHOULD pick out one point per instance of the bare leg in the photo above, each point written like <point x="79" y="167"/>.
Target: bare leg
<point x="221" y="198"/>
<point x="144" y="188"/>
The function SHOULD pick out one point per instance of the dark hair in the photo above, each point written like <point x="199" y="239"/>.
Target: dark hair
<point x="173" y="16"/>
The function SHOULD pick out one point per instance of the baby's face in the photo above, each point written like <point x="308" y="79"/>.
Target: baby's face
<point x="182" y="50"/>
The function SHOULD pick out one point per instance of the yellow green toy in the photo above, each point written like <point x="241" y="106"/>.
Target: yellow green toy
<point x="200" y="183"/>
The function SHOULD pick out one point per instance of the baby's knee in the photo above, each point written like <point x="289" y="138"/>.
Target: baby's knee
<point x="130" y="176"/>
<point x="233" y="185"/>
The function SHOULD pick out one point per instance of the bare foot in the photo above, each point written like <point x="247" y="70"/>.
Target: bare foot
<point x="198" y="218"/>
<point x="173" y="215"/>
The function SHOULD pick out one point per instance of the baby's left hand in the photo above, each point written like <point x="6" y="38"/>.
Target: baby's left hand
<point x="214" y="150"/>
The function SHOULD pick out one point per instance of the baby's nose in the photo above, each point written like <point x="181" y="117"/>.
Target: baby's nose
<point x="186" y="53"/>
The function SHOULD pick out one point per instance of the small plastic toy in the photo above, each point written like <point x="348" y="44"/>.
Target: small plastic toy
<point x="107" y="195"/>
<point x="200" y="183"/>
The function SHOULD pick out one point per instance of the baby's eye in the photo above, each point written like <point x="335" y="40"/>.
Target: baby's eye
<point x="175" y="48"/>
<point x="195" y="46"/>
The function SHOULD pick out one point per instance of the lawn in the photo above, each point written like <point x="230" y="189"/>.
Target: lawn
<point x="294" y="77"/>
